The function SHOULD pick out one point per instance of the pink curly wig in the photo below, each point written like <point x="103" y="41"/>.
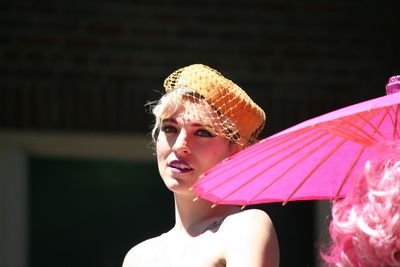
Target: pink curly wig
<point x="365" y="226"/>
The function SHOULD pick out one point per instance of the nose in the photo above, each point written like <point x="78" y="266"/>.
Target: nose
<point x="181" y="145"/>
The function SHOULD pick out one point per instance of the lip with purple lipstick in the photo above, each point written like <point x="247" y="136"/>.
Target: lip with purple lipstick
<point x="179" y="166"/>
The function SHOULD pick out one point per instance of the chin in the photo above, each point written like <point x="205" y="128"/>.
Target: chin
<point x="180" y="186"/>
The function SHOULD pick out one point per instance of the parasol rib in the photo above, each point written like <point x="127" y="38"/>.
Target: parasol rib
<point x="395" y="123"/>
<point x="368" y="120"/>
<point x="302" y="159"/>
<point x="375" y="129"/>
<point x="354" y="135"/>
<point x="276" y="163"/>
<point x="350" y="135"/>
<point x="327" y="156"/>
<point x="216" y="173"/>
<point x="261" y="160"/>
<point x="350" y="170"/>
<point x="254" y="150"/>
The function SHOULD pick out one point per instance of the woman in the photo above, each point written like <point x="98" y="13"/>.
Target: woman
<point x="365" y="226"/>
<point x="202" y="119"/>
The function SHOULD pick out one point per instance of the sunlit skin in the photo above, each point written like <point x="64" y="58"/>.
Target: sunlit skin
<point x="202" y="236"/>
<point x="186" y="149"/>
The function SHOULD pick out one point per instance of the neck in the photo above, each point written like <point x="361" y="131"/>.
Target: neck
<point x="193" y="217"/>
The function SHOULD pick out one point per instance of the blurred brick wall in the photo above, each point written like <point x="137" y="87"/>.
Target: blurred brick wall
<point x="92" y="65"/>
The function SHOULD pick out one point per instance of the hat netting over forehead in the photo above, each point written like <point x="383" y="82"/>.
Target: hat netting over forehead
<point x="233" y="115"/>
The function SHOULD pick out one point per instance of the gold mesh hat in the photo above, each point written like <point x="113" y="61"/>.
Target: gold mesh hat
<point x="241" y="117"/>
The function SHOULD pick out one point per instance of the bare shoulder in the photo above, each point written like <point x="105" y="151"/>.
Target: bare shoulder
<point x="252" y="219"/>
<point x="251" y="239"/>
<point x="252" y="223"/>
<point x="135" y="255"/>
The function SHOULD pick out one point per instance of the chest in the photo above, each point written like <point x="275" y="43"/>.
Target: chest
<point x="197" y="252"/>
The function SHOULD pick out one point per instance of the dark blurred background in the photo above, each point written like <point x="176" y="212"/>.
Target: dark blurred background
<point x="78" y="183"/>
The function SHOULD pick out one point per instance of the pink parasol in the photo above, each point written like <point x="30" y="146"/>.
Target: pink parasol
<point x="315" y="159"/>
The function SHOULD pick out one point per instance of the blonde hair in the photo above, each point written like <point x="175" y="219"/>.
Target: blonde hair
<point x="233" y="115"/>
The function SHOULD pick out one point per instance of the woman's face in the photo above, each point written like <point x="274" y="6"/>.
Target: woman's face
<point x="185" y="150"/>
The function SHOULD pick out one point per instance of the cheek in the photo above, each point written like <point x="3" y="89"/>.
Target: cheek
<point x="161" y="143"/>
<point x="212" y="160"/>
<point x="218" y="153"/>
<point x="160" y="150"/>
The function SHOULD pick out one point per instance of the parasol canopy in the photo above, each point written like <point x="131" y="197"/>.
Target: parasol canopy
<point x="313" y="160"/>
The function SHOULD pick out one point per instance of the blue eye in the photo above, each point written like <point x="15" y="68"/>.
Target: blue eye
<point x="204" y="133"/>
<point x="168" y="129"/>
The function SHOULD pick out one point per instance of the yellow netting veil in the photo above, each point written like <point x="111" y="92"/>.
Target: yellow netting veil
<point x="234" y="115"/>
